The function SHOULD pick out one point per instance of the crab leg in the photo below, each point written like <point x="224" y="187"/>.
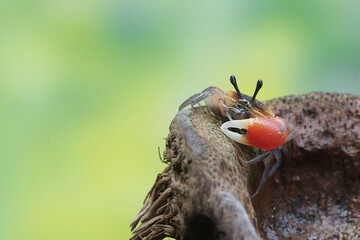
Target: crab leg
<point x="276" y="152"/>
<point x="263" y="178"/>
<point x="197" y="98"/>
<point x="188" y="101"/>
<point x="259" y="158"/>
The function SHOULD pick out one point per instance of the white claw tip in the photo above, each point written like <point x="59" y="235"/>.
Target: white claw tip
<point x="236" y="125"/>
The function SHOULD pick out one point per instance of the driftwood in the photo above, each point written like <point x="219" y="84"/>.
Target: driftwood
<point x="204" y="191"/>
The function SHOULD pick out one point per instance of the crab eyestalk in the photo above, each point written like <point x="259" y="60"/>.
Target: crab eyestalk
<point x="233" y="82"/>
<point x="258" y="87"/>
<point x="264" y="133"/>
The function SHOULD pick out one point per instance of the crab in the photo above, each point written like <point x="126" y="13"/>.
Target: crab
<point x="247" y="121"/>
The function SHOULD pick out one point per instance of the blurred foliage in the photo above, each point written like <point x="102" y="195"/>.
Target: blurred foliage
<point x="88" y="90"/>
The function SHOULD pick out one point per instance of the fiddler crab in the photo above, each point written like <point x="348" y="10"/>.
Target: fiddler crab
<point x="251" y="123"/>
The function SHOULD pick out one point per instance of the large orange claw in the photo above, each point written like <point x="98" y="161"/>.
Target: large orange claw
<point x="265" y="133"/>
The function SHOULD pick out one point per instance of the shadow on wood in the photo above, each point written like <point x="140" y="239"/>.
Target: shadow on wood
<point x="204" y="191"/>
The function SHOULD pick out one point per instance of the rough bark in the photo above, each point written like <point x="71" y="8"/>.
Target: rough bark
<point x="204" y="191"/>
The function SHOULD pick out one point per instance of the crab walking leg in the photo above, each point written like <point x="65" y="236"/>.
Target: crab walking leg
<point x="259" y="158"/>
<point x="224" y="109"/>
<point x="228" y="115"/>
<point x="268" y="172"/>
<point x="277" y="153"/>
<point x="188" y="101"/>
<point x="205" y="94"/>
<point x="263" y="178"/>
<point x="197" y="97"/>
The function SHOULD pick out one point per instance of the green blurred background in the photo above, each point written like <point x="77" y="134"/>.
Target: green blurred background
<point x="88" y="90"/>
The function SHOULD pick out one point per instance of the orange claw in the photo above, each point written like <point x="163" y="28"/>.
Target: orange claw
<point x="265" y="133"/>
